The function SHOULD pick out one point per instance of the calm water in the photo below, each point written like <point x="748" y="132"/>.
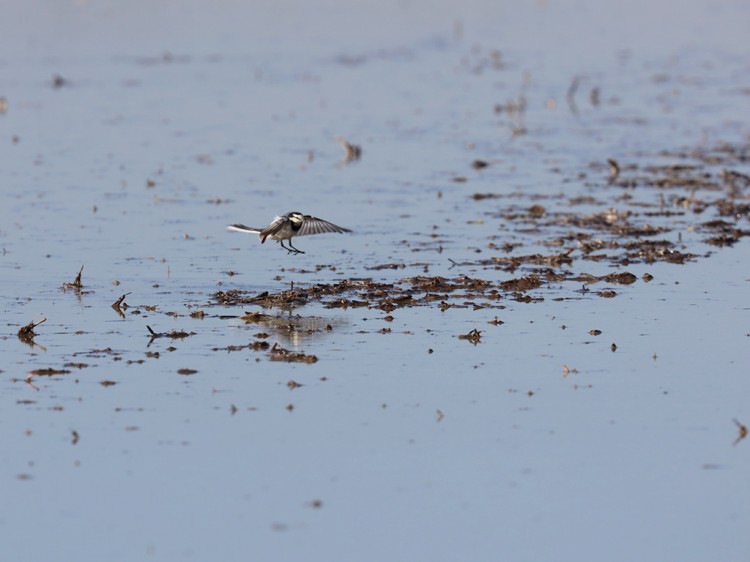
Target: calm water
<point x="176" y="119"/>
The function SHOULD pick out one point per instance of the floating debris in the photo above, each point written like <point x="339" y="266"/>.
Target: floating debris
<point x="174" y="334"/>
<point x="387" y="266"/>
<point x="473" y="337"/>
<point x="119" y="303"/>
<point x="361" y="293"/>
<point x="48" y="372"/>
<point x="614" y="170"/>
<point x="253" y="345"/>
<point x="523" y="284"/>
<point x="76" y="285"/>
<point x="278" y="353"/>
<point x="625" y="278"/>
<point x="351" y="151"/>
<point x="26" y="334"/>
<point x="286" y="299"/>
<point x="76" y="365"/>
<point x="741" y="431"/>
<point x="256" y="317"/>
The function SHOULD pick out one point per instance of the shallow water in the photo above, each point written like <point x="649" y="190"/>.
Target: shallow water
<point x="402" y="441"/>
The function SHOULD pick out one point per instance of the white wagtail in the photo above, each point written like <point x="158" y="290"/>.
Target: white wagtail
<point x="289" y="225"/>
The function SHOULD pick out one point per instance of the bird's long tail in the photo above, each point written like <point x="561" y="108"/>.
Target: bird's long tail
<point x="245" y="229"/>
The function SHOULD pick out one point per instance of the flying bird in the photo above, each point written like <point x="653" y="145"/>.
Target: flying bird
<point x="289" y="225"/>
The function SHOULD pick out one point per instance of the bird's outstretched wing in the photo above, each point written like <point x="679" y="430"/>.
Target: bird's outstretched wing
<point x="245" y="229"/>
<point x="314" y="225"/>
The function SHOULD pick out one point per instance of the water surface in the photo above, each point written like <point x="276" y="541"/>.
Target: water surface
<point x="402" y="441"/>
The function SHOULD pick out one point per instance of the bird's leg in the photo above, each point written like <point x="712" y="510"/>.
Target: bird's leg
<point x="296" y="251"/>
<point x="289" y="250"/>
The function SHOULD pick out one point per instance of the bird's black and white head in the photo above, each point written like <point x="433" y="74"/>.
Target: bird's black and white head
<point x="296" y="218"/>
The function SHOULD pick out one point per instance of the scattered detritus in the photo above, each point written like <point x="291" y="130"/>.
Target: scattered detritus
<point x="119" y="304"/>
<point x="278" y="353"/>
<point x="404" y="293"/>
<point x="473" y="337"/>
<point x="76" y="285"/>
<point x="27" y="333"/>
<point x="741" y="431"/>
<point x="282" y="299"/>
<point x="47" y="372"/>
<point x="174" y="334"/>
<point x="351" y="151"/>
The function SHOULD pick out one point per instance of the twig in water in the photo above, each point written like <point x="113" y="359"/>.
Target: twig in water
<point x="174" y="334"/>
<point x="116" y="305"/>
<point x="77" y="284"/>
<point x="27" y="333"/>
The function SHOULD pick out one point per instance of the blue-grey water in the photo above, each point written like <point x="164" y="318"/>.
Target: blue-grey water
<point x="170" y="120"/>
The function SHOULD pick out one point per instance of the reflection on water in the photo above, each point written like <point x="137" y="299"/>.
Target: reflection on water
<point x="295" y="329"/>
